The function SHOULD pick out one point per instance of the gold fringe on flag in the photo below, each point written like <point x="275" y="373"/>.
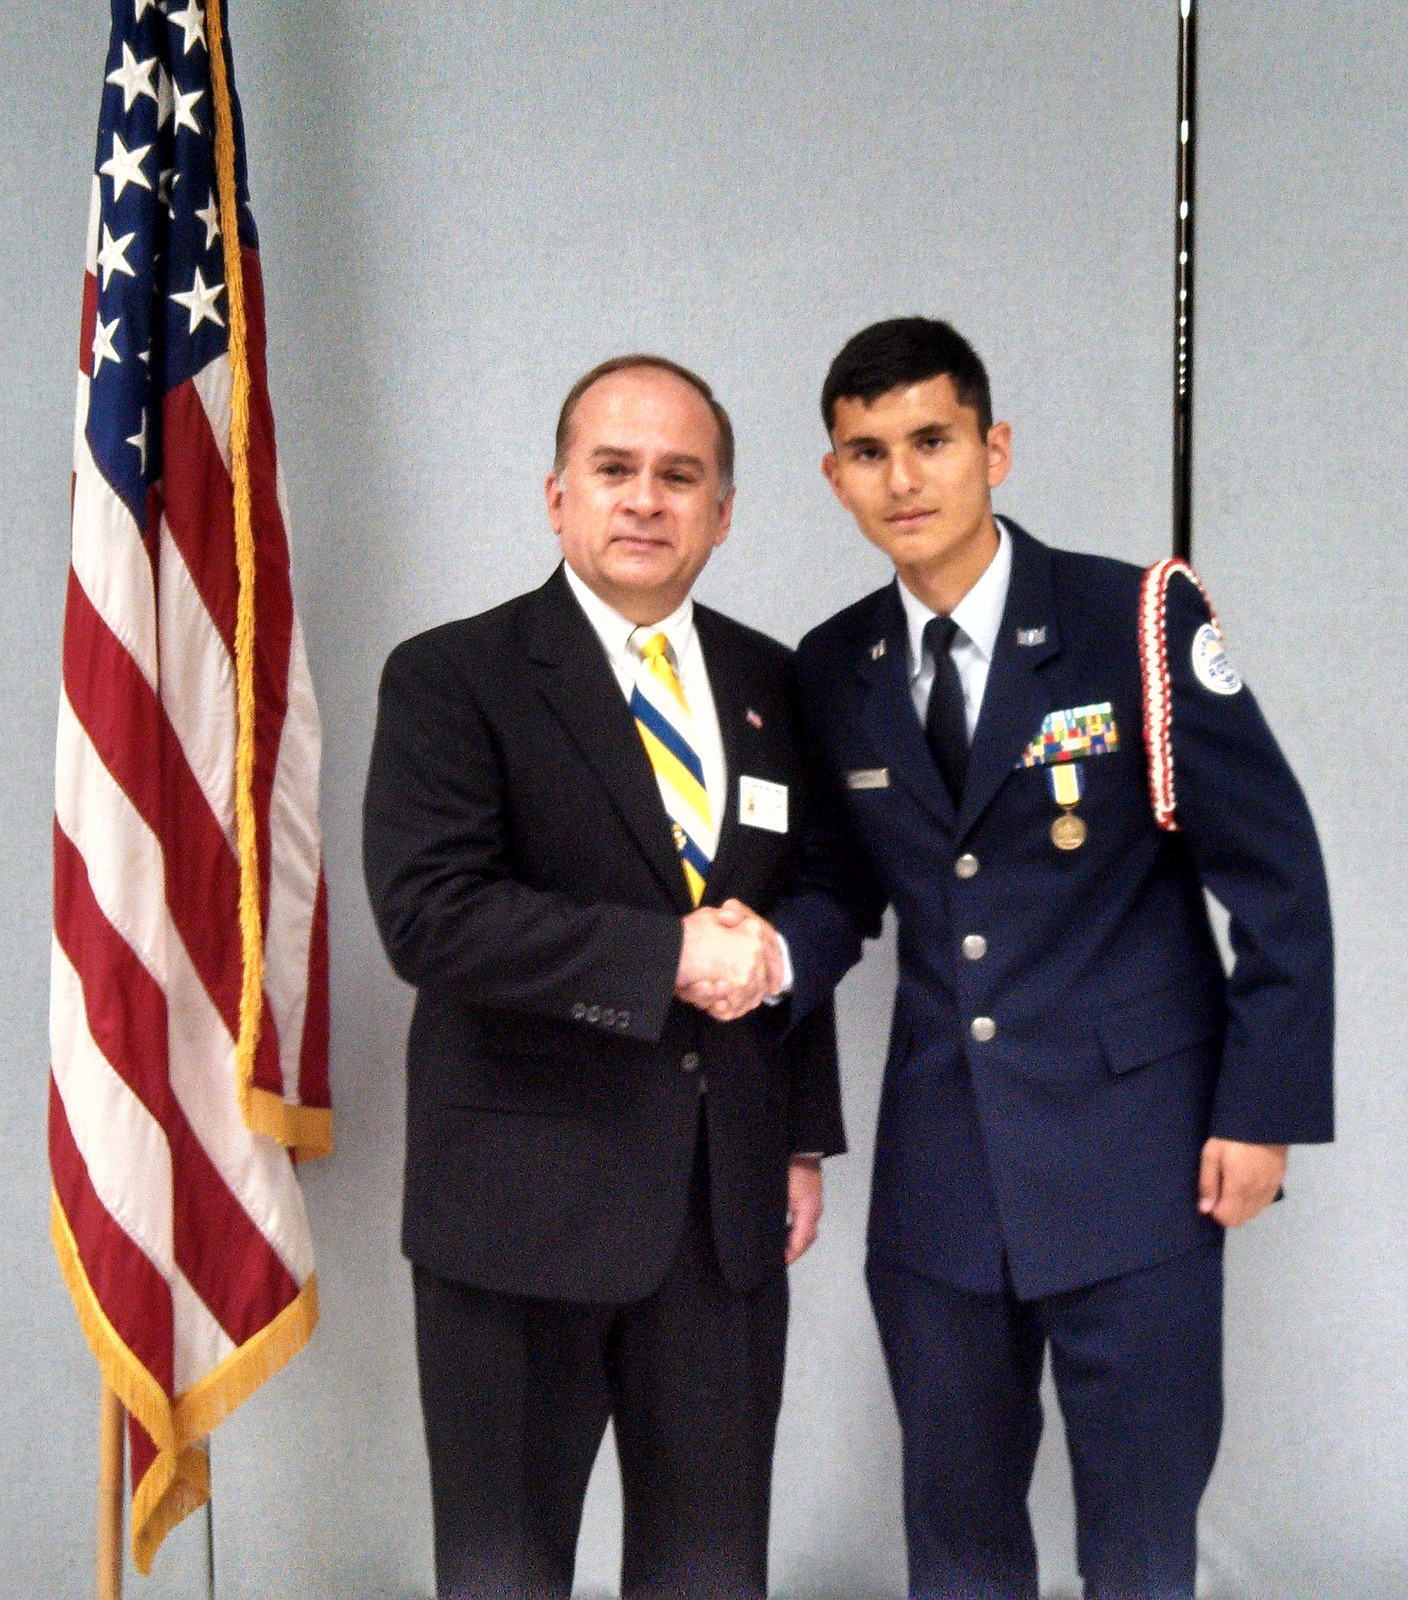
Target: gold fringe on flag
<point x="251" y="922"/>
<point x="178" y="1481"/>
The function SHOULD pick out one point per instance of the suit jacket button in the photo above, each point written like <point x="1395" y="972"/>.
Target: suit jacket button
<point x="966" y="866"/>
<point x="593" y="1013"/>
<point x="689" y="1061"/>
<point x="975" y="947"/>
<point x="983" y="1029"/>
<point x="579" y="1011"/>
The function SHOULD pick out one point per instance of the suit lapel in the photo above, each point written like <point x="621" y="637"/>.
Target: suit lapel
<point x="571" y="672"/>
<point x="729" y="692"/>
<point x="888" y="712"/>
<point x="1016" y="697"/>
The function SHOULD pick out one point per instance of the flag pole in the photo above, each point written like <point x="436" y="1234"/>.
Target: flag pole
<point x="110" y="1452"/>
<point x="1183" y="285"/>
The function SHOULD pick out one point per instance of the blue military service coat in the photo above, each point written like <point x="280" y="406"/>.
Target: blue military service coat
<point x="1064" y="1038"/>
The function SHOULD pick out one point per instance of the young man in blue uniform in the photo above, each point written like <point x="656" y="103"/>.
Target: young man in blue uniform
<point x="1077" y="1102"/>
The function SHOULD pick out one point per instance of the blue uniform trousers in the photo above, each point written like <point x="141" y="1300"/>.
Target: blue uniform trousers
<point x="1137" y="1362"/>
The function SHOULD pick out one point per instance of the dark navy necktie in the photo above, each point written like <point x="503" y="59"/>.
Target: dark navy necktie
<point x="946" y="724"/>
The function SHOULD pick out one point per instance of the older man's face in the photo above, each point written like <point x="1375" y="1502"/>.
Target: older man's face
<point x="637" y="504"/>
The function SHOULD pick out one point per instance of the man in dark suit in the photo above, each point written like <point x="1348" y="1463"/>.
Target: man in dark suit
<point x="1077" y="1102"/>
<point x="563" y="793"/>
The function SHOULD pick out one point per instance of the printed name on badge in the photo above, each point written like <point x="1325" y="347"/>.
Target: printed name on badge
<point x="1211" y="667"/>
<point x="762" y="804"/>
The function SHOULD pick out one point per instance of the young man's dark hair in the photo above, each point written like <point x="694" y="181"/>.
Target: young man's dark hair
<point x="900" y="352"/>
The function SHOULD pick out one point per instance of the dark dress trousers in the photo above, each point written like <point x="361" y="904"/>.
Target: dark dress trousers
<point x="1063" y="1042"/>
<point x="585" y="1155"/>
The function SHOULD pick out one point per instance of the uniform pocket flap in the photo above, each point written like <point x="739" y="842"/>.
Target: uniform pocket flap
<point x="1157" y="1025"/>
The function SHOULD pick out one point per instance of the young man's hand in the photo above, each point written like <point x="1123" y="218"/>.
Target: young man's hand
<point x="1238" y="1181"/>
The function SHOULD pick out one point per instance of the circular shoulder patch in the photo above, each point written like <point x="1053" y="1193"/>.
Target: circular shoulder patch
<point x="1211" y="667"/>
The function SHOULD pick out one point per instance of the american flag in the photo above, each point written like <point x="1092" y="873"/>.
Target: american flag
<point x="177" y="1214"/>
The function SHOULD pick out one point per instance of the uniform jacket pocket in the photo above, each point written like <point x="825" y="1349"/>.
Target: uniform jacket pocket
<point x="1151" y="1027"/>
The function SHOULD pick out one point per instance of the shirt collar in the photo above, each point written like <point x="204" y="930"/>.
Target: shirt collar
<point x="615" y="631"/>
<point x="978" y="613"/>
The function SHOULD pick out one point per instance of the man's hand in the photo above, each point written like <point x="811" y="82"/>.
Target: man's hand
<point x="729" y="961"/>
<point x="1237" y="1181"/>
<point x="803" y="1205"/>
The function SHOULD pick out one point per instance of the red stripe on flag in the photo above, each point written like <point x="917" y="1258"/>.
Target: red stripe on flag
<point x="199" y="511"/>
<point x="114" y="702"/>
<point x="227" y="1261"/>
<point x="128" y="726"/>
<point x="198" y="505"/>
<point x="88" y="325"/>
<point x="142" y="1453"/>
<point x="133" y="1294"/>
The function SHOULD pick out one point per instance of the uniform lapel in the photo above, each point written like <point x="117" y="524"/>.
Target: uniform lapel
<point x="571" y="672"/>
<point x="888" y="712"/>
<point x="1016" y="698"/>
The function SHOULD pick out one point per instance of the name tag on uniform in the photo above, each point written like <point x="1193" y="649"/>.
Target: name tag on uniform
<point x="868" y="778"/>
<point x="762" y="804"/>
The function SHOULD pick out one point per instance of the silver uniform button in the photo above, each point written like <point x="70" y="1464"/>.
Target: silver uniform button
<point x="983" y="1029"/>
<point x="579" y="1011"/>
<point x="975" y="947"/>
<point x="966" y="866"/>
<point x="593" y="1013"/>
<point x="623" y="1020"/>
<point x="608" y="1017"/>
<point x="689" y="1061"/>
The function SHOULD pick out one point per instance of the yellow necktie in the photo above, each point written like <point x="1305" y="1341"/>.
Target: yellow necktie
<point x="666" y="729"/>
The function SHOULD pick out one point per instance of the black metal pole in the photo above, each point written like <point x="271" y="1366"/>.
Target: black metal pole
<point x="1183" y="285"/>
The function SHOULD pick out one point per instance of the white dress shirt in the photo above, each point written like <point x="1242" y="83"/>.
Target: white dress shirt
<point x="979" y="618"/>
<point x="615" y="632"/>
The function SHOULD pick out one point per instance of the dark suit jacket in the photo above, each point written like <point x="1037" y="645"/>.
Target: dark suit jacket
<point x="1070" y="1140"/>
<point x="523" y="878"/>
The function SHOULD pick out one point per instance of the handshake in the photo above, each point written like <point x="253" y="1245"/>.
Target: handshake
<point x="731" y="960"/>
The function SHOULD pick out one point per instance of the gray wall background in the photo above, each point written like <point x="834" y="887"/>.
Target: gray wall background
<point x="465" y="205"/>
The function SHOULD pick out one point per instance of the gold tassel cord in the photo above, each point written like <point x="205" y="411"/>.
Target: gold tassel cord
<point x="251" y="923"/>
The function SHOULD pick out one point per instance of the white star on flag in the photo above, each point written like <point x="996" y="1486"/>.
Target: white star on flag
<point x="200" y="302"/>
<point x="185" y="116"/>
<point x="144" y="6"/>
<point x="209" y="214"/>
<point x="163" y="97"/>
<point x="113" y="255"/>
<point x="124" y="166"/>
<point x="103" y="347"/>
<point x="133" y="77"/>
<point x="140" y="440"/>
<point x="191" y="22"/>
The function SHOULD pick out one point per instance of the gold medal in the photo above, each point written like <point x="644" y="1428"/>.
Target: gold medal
<point x="1068" y="832"/>
<point x="1067" y="784"/>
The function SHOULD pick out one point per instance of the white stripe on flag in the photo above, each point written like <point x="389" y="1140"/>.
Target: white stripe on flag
<point x="123" y="856"/>
<point x="111" y="563"/>
<point x="295" y="847"/>
<point x="200" y="1344"/>
<point x="197" y="684"/>
<point x="121" y="1143"/>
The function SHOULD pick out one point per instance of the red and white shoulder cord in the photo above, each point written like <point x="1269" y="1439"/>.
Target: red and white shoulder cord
<point x="1153" y="672"/>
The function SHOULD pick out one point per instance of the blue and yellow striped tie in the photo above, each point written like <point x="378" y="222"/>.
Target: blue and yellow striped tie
<point x="666" y="726"/>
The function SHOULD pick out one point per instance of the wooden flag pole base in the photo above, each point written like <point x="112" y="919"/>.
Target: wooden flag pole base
<point x="110" y="1462"/>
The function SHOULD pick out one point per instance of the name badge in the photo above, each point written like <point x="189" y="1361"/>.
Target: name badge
<point x="868" y="778"/>
<point x="762" y="804"/>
